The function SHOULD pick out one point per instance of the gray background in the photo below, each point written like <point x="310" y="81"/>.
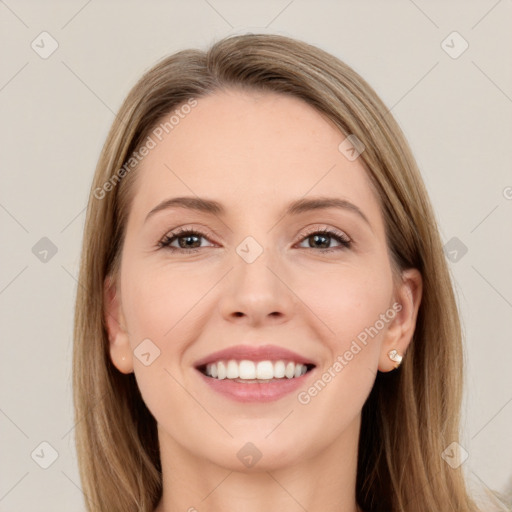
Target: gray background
<point x="56" y="111"/>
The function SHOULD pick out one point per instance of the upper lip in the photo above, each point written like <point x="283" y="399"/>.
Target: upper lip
<point x="254" y="353"/>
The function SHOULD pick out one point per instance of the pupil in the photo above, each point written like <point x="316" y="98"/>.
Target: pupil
<point x="186" y="240"/>
<point x="317" y="238"/>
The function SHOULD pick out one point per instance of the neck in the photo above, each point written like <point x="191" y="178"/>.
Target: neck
<point x="323" y="482"/>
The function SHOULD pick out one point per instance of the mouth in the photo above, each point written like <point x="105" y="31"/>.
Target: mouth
<point x="254" y="373"/>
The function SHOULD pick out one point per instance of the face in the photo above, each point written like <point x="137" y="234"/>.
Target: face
<point x="264" y="274"/>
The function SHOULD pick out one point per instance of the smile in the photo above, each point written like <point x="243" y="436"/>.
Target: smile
<point x="247" y="371"/>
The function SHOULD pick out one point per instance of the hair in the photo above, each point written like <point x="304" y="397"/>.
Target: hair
<point x="411" y="414"/>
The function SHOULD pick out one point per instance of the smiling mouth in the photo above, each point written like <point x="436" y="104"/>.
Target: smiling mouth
<point x="249" y="372"/>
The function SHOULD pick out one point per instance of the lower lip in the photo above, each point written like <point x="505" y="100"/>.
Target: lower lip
<point x="255" y="392"/>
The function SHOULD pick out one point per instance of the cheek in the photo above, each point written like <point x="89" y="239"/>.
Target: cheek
<point x="158" y="306"/>
<point x="157" y="300"/>
<point x="349" y="301"/>
<point x="162" y="305"/>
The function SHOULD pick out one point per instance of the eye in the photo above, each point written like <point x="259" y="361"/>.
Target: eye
<point x="322" y="239"/>
<point x="188" y="240"/>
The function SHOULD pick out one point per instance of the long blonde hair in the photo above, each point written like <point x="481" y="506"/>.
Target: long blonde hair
<point x="411" y="415"/>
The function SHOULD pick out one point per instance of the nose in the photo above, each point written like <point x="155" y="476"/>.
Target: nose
<point x="257" y="293"/>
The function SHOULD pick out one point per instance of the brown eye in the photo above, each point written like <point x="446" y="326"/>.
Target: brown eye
<point x="187" y="240"/>
<point x="322" y="239"/>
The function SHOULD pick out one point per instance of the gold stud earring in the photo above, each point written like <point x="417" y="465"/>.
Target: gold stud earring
<point x="395" y="356"/>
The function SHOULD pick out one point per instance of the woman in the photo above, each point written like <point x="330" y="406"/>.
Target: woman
<point x="266" y="320"/>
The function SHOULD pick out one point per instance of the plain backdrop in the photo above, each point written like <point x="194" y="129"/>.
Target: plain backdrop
<point x="453" y="103"/>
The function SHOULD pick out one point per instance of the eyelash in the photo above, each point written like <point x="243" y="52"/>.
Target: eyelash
<point x="165" y="243"/>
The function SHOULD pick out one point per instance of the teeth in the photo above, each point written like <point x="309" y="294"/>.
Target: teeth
<point x="290" y="370"/>
<point x="249" y="370"/>
<point x="221" y="370"/>
<point x="279" y="369"/>
<point x="232" y="371"/>
<point x="265" y="370"/>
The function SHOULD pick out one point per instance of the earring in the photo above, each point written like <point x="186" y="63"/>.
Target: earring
<point x="395" y="356"/>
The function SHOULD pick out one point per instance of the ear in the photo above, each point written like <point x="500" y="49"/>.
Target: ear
<point x="119" y="344"/>
<point x="401" y="329"/>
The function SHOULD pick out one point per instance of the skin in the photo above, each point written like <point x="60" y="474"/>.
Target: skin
<point x="255" y="153"/>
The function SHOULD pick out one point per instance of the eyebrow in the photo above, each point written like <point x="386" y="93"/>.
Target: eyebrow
<point x="294" y="208"/>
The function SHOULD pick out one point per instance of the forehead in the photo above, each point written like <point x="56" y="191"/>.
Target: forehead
<point x="251" y="150"/>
